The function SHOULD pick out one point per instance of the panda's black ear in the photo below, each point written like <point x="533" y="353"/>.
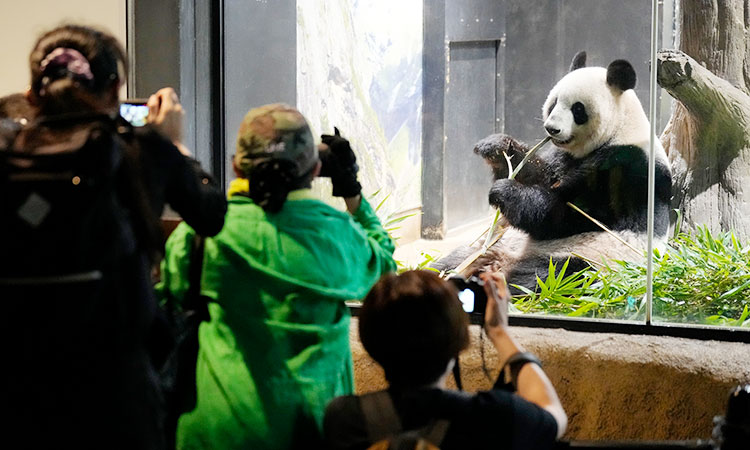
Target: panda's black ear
<point x="579" y="60"/>
<point x="621" y="75"/>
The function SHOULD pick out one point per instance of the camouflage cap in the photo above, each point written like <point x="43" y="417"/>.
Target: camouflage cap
<point x="275" y="131"/>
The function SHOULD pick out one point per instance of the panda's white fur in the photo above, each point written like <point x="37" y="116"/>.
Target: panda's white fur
<point x="594" y="117"/>
<point x="616" y="117"/>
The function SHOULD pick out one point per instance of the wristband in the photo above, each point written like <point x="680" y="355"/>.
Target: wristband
<point x="509" y="372"/>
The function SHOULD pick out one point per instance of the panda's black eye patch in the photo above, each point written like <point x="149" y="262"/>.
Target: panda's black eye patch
<point x="551" y="107"/>
<point x="579" y="113"/>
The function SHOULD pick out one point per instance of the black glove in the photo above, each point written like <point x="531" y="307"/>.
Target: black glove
<point x="340" y="164"/>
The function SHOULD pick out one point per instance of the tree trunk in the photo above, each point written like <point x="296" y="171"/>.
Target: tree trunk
<point x="708" y="136"/>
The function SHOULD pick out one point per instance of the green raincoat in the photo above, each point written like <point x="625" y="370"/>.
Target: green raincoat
<point x="276" y="349"/>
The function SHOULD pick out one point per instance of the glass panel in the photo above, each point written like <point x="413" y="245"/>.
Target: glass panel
<point x="415" y="85"/>
<point x="703" y="277"/>
<point x="535" y="48"/>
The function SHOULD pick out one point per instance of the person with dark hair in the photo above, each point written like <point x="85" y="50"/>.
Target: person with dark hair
<point x="80" y="233"/>
<point x="275" y="350"/>
<point x="414" y="326"/>
<point x="76" y="75"/>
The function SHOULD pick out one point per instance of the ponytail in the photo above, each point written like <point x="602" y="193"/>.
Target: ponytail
<point x="270" y="183"/>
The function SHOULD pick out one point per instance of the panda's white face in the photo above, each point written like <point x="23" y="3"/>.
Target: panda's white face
<point x="580" y="113"/>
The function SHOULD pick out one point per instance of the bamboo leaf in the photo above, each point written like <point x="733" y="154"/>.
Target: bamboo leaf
<point x="734" y="290"/>
<point x="380" y="205"/>
<point x="398" y="220"/>
<point x="584" y="309"/>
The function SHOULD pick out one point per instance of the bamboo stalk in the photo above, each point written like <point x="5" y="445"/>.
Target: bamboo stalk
<point x="528" y="156"/>
<point x="604" y="227"/>
<point x="588" y="260"/>
<point x="473" y="257"/>
<point x="480" y="236"/>
<point x="491" y="231"/>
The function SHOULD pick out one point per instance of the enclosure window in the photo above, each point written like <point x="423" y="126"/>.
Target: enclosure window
<point x="416" y="85"/>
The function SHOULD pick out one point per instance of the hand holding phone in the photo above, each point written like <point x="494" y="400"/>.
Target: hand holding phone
<point x="166" y="114"/>
<point x="498" y="295"/>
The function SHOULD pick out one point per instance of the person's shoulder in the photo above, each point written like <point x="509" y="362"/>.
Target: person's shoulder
<point x="345" y="404"/>
<point x="181" y="236"/>
<point x="523" y="413"/>
<point x="482" y="404"/>
<point x="314" y="208"/>
<point x="342" y="413"/>
<point x="344" y="424"/>
<point x="443" y="402"/>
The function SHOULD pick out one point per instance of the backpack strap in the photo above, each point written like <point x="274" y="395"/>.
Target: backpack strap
<point x="435" y="432"/>
<point x="381" y="418"/>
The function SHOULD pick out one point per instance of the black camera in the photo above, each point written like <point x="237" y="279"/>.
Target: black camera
<point x="472" y="296"/>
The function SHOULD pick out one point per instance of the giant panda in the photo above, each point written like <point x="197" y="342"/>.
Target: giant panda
<point x="599" y="162"/>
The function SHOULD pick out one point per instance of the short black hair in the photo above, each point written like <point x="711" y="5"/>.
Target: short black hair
<point x="413" y="324"/>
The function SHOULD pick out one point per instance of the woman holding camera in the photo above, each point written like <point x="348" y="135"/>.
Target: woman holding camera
<point x="82" y="194"/>
<point x="275" y="350"/>
<point x="414" y="326"/>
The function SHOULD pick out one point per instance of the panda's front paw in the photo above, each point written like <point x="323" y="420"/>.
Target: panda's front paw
<point x="501" y="192"/>
<point x="494" y="146"/>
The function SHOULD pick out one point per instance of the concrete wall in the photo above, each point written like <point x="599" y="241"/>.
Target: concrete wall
<point x="21" y="23"/>
<point x="612" y="386"/>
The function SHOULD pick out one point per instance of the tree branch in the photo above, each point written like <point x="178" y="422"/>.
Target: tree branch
<point x="708" y="97"/>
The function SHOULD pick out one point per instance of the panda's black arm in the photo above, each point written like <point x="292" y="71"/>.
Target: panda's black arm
<point x="541" y="213"/>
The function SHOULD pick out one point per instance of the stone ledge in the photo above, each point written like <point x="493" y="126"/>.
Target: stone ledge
<point x="613" y="386"/>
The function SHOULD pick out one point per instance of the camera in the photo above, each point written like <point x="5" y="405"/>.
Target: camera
<point x="134" y="111"/>
<point x="472" y="296"/>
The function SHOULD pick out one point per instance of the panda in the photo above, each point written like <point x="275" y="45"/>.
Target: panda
<point x="599" y="163"/>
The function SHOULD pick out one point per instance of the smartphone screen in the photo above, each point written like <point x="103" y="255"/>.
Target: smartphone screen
<point x="135" y="112"/>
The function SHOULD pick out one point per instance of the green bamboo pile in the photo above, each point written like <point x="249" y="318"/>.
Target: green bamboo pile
<point x="700" y="279"/>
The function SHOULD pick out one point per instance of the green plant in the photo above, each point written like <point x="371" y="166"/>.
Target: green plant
<point x="422" y="264"/>
<point x="391" y="225"/>
<point x="391" y="221"/>
<point x="701" y="278"/>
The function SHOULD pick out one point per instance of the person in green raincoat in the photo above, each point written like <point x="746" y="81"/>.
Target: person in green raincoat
<point x="276" y="348"/>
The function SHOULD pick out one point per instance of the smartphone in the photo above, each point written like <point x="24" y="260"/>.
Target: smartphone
<point x="134" y="111"/>
<point x="472" y="296"/>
